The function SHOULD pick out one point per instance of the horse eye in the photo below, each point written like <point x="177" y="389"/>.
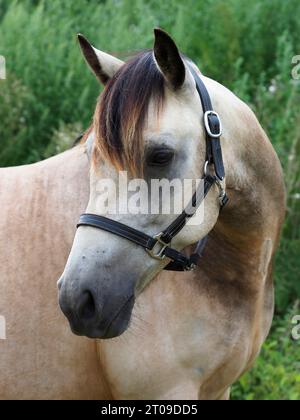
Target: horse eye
<point x="161" y="157"/>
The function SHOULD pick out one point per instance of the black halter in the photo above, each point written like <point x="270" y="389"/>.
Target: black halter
<point x="158" y="246"/>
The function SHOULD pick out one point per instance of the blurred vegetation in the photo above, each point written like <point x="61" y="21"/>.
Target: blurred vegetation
<point x="276" y="373"/>
<point x="49" y="97"/>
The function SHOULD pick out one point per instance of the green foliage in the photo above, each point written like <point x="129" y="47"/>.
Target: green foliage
<point x="276" y="373"/>
<point x="15" y="99"/>
<point x="49" y="97"/>
<point x="63" y="139"/>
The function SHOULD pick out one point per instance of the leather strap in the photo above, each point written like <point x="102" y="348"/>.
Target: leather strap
<point x="117" y="228"/>
<point x="193" y="260"/>
<point x="133" y="235"/>
<point x="175" y="227"/>
<point x="213" y="145"/>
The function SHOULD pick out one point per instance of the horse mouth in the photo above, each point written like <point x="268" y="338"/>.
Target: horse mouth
<point x="119" y="323"/>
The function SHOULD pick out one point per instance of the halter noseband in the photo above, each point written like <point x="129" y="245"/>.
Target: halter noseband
<point x="158" y="246"/>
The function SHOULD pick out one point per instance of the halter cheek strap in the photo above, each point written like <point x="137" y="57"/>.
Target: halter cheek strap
<point x="213" y="128"/>
<point x="159" y="246"/>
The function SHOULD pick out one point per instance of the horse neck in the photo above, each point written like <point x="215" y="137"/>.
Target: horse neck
<point x="247" y="233"/>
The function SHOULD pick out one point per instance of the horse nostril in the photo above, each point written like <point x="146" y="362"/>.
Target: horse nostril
<point x="87" y="307"/>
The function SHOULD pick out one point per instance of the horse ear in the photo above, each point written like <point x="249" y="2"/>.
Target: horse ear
<point x="168" y="59"/>
<point x="103" y="65"/>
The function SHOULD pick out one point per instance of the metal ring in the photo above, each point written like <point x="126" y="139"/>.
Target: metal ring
<point x="205" y="168"/>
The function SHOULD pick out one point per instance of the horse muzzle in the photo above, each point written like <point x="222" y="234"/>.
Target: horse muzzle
<point x="96" y="312"/>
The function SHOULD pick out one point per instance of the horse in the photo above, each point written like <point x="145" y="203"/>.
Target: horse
<point x="139" y="332"/>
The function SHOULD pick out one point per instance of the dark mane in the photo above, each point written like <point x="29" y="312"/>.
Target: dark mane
<point x="121" y="112"/>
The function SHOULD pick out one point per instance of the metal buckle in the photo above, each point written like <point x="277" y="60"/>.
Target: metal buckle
<point x="159" y="254"/>
<point x="207" y="126"/>
<point x="223" y="198"/>
<point x="191" y="267"/>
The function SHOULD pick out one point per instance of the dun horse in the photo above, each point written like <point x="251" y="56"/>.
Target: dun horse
<point x="172" y="335"/>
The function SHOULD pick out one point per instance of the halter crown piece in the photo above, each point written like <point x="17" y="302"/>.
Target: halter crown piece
<point x="159" y="246"/>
